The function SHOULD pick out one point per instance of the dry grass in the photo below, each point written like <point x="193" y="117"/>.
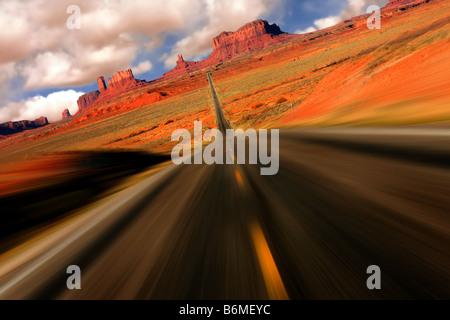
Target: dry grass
<point x="253" y="94"/>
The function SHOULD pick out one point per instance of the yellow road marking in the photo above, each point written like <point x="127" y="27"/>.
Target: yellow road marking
<point x="272" y="278"/>
<point x="239" y="178"/>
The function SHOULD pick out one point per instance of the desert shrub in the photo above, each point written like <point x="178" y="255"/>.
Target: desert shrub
<point x="281" y="100"/>
<point x="115" y="140"/>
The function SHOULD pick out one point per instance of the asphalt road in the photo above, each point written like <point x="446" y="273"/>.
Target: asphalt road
<point x="343" y="200"/>
<point x="222" y="121"/>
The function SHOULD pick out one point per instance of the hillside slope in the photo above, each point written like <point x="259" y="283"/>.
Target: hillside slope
<point x="342" y="75"/>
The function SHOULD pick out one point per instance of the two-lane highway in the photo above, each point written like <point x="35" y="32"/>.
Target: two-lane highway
<point x="222" y="121"/>
<point x="343" y="200"/>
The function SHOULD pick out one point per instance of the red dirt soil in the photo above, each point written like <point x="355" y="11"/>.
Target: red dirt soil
<point x="421" y="74"/>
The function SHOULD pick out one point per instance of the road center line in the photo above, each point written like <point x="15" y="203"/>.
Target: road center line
<point x="272" y="278"/>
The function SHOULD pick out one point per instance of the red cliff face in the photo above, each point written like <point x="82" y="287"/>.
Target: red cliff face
<point x="101" y="84"/>
<point x="12" y="127"/>
<point x="42" y="121"/>
<point x="66" y="114"/>
<point x="251" y="37"/>
<point x="86" y="100"/>
<point x="123" y="76"/>
<point x="120" y="82"/>
<point x="403" y="5"/>
<point x="183" y="67"/>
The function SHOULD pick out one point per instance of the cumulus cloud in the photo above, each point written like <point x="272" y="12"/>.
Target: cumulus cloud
<point x="307" y="30"/>
<point x="35" y="107"/>
<point x="48" y="54"/>
<point x="7" y="72"/>
<point x="353" y="8"/>
<point x="142" y="67"/>
<point x="59" y="68"/>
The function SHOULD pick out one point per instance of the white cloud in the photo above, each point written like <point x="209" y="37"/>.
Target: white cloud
<point x="327" y="22"/>
<point x="48" y="54"/>
<point x="59" y="68"/>
<point x="7" y="72"/>
<point x="15" y="28"/>
<point x="307" y="30"/>
<point x="35" y="107"/>
<point x="354" y="8"/>
<point x="112" y="32"/>
<point x="142" y="67"/>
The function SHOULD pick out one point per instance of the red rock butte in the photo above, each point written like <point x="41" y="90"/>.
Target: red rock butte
<point x="253" y="36"/>
<point x="66" y="114"/>
<point x="250" y="38"/>
<point x="120" y="82"/>
<point x="12" y="127"/>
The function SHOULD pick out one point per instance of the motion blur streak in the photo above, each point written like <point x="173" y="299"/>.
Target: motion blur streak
<point x="269" y="270"/>
<point x="239" y="178"/>
<point x="342" y="201"/>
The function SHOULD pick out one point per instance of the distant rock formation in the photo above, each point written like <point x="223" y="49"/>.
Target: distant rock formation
<point x="402" y="5"/>
<point x="120" y="82"/>
<point x="101" y="84"/>
<point x="12" y="127"/>
<point x="40" y="122"/>
<point x="66" y="114"/>
<point x="253" y="36"/>
<point x="86" y="100"/>
<point x="402" y="2"/>
<point x="183" y="67"/>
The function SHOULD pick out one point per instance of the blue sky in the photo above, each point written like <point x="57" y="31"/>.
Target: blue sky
<point x="45" y="66"/>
